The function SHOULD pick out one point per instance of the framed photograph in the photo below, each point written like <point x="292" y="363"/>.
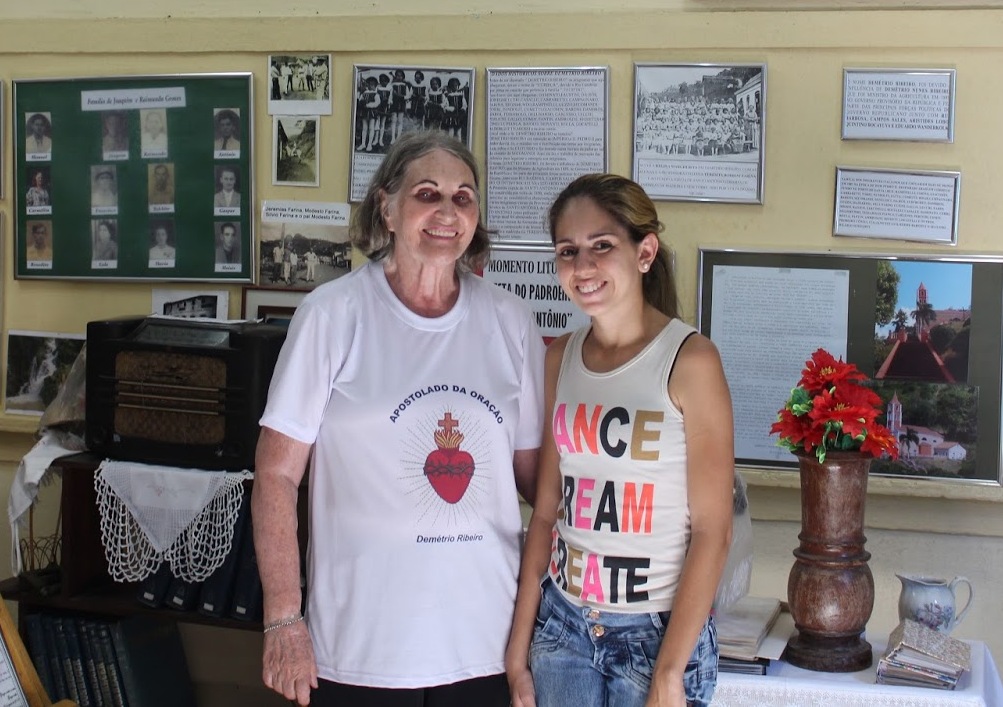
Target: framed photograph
<point x="926" y="329"/>
<point x="528" y="271"/>
<point x="303" y="244"/>
<point x="545" y="127"/>
<point x="299" y="84"/>
<point x="296" y="150"/>
<point x="898" y="104"/>
<point x="191" y="304"/>
<point x="392" y="100"/>
<point x="908" y="205"/>
<point x="699" y="131"/>
<point x="102" y="165"/>
<point x="37" y="364"/>
<point x="270" y="305"/>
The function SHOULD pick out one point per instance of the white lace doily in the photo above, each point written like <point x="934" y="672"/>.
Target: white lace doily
<point x="154" y="513"/>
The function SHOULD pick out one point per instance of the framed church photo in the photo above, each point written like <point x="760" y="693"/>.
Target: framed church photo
<point x="926" y="329"/>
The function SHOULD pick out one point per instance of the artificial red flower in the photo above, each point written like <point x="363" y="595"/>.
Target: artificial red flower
<point x="830" y="410"/>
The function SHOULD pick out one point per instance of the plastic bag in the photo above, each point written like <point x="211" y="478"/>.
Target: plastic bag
<point x="737" y="573"/>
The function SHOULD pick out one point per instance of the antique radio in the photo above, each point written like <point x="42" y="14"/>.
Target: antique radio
<point x="178" y="392"/>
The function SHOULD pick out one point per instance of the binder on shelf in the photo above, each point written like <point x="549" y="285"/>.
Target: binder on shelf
<point x="182" y="595"/>
<point x="216" y="595"/>
<point x="153" y="590"/>
<point x="152" y="663"/>
<point x="247" y="594"/>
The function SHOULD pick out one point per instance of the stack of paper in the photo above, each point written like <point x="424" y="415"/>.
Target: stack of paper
<point x="920" y="656"/>
<point x="741" y="631"/>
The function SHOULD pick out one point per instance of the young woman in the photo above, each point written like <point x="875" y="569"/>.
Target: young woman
<point x="632" y="520"/>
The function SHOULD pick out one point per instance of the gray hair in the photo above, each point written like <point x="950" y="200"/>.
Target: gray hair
<point x="369" y="232"/>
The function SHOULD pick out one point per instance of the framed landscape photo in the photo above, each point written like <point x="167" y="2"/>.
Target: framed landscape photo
<point x="699" y="131"/>
<point x="392" y="100"/>
<point x="898" y="104"/>
<point x="899" y="204"/>
<point x="926" y="329"/>
<point x="133" y="178"/>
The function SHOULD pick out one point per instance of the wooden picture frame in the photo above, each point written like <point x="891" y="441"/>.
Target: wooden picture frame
<point x="19" y="681"/>
<point x="270" y="305"/>
<point x="125" y="155"/>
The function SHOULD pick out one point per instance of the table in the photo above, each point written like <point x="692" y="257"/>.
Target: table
<point x="787" y="686"/>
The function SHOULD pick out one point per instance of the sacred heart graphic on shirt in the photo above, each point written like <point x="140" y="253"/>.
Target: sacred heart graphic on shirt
<point x="448" y="468"/>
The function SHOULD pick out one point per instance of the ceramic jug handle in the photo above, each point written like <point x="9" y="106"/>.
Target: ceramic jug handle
<point x="971" y="594"/>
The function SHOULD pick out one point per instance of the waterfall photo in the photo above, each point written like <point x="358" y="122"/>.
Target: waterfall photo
<point x="37" y="365"/>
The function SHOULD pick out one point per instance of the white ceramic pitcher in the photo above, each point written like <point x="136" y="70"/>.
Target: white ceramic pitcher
<point x="933" y="601"/>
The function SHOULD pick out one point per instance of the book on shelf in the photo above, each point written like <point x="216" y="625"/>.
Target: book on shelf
<point x="182" y="595"/>
<point x="37" y="652"/>
<point x="920" y="656"/>
<point x="75" y="678"/>
<point x="96" y="658"/>
<point x="55" y="653"/>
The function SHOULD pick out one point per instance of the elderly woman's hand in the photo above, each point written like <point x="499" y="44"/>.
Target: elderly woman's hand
<point x="289" y="665"/>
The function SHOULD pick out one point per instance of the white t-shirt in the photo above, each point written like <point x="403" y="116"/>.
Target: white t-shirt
<point x="414" y="527"/>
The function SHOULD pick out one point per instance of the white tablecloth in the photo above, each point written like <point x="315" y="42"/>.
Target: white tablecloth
<point x="787" y="686"/>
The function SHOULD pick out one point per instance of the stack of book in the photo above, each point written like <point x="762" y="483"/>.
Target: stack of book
<point x="922" y="657"/>
<point x="741" y="630"/>
<point x="136" y="661"/>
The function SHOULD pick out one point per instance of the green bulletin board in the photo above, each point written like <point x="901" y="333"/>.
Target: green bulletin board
<point x="134" y="178"/>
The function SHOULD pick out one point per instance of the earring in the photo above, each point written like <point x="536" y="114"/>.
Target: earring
<point x="645" y="266"/>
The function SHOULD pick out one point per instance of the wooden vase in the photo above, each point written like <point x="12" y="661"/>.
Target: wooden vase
<point x="830" y="589"/>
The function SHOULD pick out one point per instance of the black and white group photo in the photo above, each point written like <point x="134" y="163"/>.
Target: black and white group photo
<point x="699" y="112"/>
<point x="393" y="100"/>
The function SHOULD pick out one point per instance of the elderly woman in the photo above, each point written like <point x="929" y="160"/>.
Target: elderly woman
<point x="413" y="389"/>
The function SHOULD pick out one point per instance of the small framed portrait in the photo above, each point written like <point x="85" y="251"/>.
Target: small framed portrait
<point x="163" y="251"/>
<point x="38" y="143"/>
<point x="295" y="150"/>
<point x="392" y="100"/>
<point x="160" y="187"/>
<point x="38" y="196"/>
<point x="153" y="132"/>
<point x="226" y="133"/>
<point x="226" y="201"/>
<point x="104" y="190"/>
<point x="699" y="131"/>
<point x="299" y="84"/>
<point x="38" y="249"/>
<point x="269" y="305"/>
<point x="37" y="366"/>
<point x="114" y="135"/>
<point x="104" y="243"/>
<point x="228" y="249"/>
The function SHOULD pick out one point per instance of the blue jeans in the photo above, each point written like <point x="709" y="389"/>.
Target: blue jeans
<point x="583" y="657"/>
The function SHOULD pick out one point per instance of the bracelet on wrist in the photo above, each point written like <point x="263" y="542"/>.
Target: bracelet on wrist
<point x="282" y="623"/>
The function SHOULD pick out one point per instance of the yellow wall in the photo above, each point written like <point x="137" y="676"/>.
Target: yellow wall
<point x="934" y="527"/>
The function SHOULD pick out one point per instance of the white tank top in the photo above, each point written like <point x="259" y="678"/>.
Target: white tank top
<point x="623" y="527"/>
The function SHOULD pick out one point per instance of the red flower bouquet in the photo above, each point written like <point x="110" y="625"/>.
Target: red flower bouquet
<point x="830" y="410"/>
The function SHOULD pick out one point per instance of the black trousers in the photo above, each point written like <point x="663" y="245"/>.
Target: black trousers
<point x="491" y="691"/>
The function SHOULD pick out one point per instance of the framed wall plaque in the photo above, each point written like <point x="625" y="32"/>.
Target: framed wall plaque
<point x="909" y="205"/>
<point x="898" y="104"/>
<point x="134" y="178"/>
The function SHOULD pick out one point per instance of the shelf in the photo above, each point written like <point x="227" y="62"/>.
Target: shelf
<point x="116" y="602"/>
